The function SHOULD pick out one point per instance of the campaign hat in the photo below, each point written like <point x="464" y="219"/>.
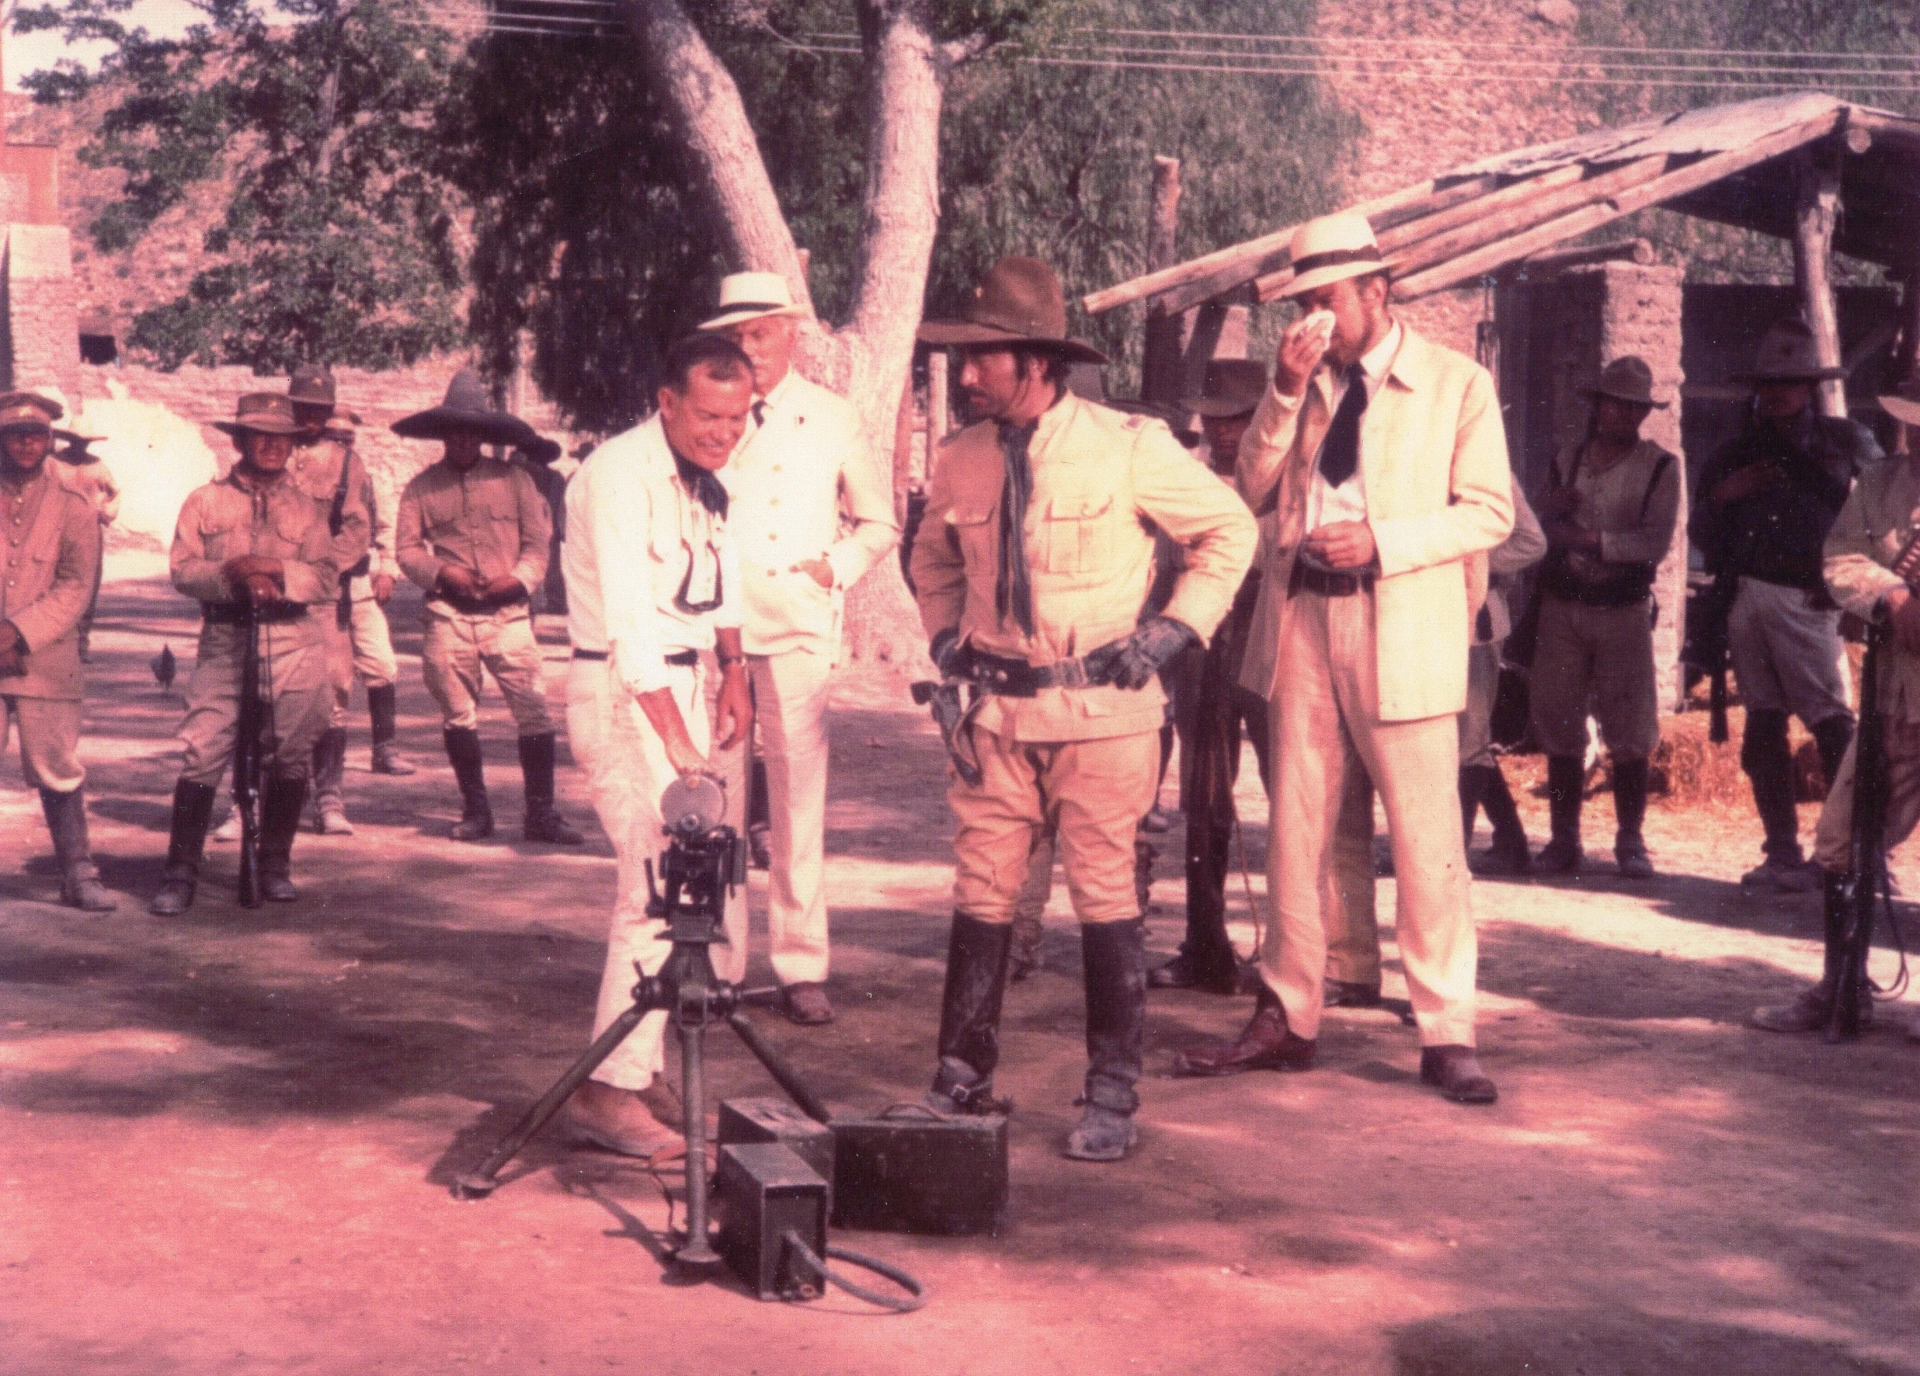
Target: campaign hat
<point x="1019" y="304"/>
<point x="1787" y="353"/>
<point x="1627" y="378"/>
<point x="1232" y="387"/>
<point x="261" y="413"/>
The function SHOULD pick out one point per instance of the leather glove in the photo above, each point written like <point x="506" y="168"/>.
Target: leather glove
<point x="944" y="651"/>
<point x="1144" y="653"/>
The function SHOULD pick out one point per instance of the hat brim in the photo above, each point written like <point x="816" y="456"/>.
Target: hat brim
<point x="1333" y="272"/>
<point x="969" y="334"/>
<point x="492" y="427"/>
<point x="25" y="425"/>
<point x="1797" y="375"/>
<point x="742" y="316"/>
<point x="1906" y="410"/>
<point x="542" y="451"/>
<point x="1219" y="407"/>
<point x="1595" y="393"/>
<point x="237" y="428"/>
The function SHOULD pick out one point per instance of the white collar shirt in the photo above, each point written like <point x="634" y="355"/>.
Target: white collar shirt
<point x="1348" y="502"/>
<point x="641" y="558"/>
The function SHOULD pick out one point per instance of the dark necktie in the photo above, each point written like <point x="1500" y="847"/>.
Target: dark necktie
<point x="1340" y="450"/>
<point x="759" y="412"/>
<point x="1012" y="584"/>
<point x="702" y="485"/>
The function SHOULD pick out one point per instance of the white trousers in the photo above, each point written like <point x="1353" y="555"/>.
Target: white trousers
<point x="627" y="770"/>
<point x="790" y="694"/>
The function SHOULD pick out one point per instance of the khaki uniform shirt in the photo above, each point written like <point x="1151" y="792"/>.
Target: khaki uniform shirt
<point x="49" y="547"/>
<point x="225" y="519"/>
<point x="1634" y="506"/>
<point x="1864" y="540"/>
<point x="363" y="535"/>
<point x="1099" y="476"/>
<point x="490" y="520"/>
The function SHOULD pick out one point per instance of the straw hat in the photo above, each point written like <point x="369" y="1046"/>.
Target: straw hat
<point x="1903" y="403"/>
<point x="1233" y="387"/>
<point x="467" y="410"/>
<point x="1331" y="248"/>
<point x="1787" y="353"/>
<point x="28" y="411"/>
<point x="1627" y="378"/>
<point x="261" y="413"/>
<point x="748" y="296"/>
<point x="1020" y="304"/>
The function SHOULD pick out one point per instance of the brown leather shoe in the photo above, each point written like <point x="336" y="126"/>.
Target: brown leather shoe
<point x="1265" y="1044"/>
<point x="1340" y="993"/>
<point x="807" y="1004"/>
<point x="1455" y="1071"/>
<point x="646" y="1123"/>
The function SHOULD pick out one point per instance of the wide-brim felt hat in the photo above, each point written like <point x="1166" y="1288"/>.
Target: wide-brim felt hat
<point x="261" y="413"/>
<point x="1787" y="353"/>
<point x="542" y="451"/>
<point x="1330" y="249"/>
<point x="748" y="296"/>
<point x="1018" y="305"/>
<point x="1627" y="378"/>
<point x="311" y="385"/>
<point x="76" y="445"/>
<point x="1903" y="403"/>
<point x="1232" y="387"/>
<point x="467" y="410"/>
<point x="1159" y="411"/>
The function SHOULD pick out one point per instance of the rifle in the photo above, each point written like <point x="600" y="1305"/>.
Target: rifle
<point x="246" y="755"/>
<point x="1865" y="886"/>
<point x="1706" y="647"/>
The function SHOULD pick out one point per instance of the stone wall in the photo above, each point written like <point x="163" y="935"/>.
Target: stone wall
<point x="40" y="346"/>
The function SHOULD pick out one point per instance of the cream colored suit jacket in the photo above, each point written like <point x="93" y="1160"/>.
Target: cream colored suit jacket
<point x="1433" y="465"/>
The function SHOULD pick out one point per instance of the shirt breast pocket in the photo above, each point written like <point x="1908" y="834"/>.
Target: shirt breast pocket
<point x="972" y="529"/>
<point x="1076" y="534"/>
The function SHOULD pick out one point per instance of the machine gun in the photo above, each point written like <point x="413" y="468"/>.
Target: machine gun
<point x="248" y="751"/>
<point x="1706" y="649"/>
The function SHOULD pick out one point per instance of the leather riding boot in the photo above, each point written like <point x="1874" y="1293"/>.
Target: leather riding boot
<point x="192" y="808"/>
<point x="1566" y="785"/>
<point x="380" y="710"/>
<point x="329" y="776"/>
<point x="1630" y="810"/>
<point x="280" y="804"/>
<point x="970" y="1017"/>
<point x="1831" y="738"/>
<point x="476" y="813"/>
<point x="1509" y="853"/>
<point x="80" y="885"/>
<point x="1473" y="783"/>
<point x="543" y="822"/>
<point x="1113" y="955"/>
<point x="1768" y="761"/>
<point x="1025" y="957"/>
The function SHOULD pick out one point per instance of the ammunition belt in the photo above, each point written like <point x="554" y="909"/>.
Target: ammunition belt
<point x="275" y="613"/>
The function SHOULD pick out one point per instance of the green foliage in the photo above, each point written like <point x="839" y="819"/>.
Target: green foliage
<point x="337" y="241"/>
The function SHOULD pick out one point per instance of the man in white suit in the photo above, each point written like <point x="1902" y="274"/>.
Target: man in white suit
<point x="799" y="479"/>
<point x="1388" y="465"/>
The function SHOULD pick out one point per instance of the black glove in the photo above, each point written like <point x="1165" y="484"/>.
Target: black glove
<point x="1144" y="653"/>
<point x="944" y="651"/>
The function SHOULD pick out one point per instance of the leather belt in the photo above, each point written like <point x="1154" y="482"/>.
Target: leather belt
<point x="597" y="656"/>
<point x="680" y="659"/>
<point x="275" y="613"/>
<point x="480" y="606"/>
<point x="1015" y="678"/>
<point x="1307" y="578"/>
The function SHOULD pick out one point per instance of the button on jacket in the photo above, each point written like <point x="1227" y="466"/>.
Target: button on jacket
<point x="490" y="520"/>
<point x="49" y="546"/>
<point x="789" y="483"/>
<point x="224" y="520"/>
<point x="1098" y="477"/>
<point x="635" y="540"/>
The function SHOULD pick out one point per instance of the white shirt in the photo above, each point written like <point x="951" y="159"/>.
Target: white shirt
<point x="1348" y="502"/>
<point x="788" y="484"/>
<point x="634" y="536"/>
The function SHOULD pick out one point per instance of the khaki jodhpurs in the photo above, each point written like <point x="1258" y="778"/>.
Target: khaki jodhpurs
<point x="1093" y="792"/>
<point x="49" y="740"/>
<point x="1598" y="660"/>
<point x="364" y="649"/>
<point x="457" y="647"/>
<point x="293" y="679"/>
<point x="1327" y="729"/>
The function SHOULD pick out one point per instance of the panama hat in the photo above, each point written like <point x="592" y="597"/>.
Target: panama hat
<point x="1020" y="304"/>
<point x="28" y="411"/>
<point x="748" y="296"/>
<point x="1233" y="387"/>
<point x="1627" y="378"/>
<point x="1331" y="248"/>
<point x="466" y="410"/>
<point x="261" y="413"/>
<point x="1787" y="353"/>
<point x="1903" y="403"/>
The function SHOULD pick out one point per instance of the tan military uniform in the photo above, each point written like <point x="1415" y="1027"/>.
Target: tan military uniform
<point x="490" y="520"/>
<point x="1084" y="758"/>
<point x="49" y="553"/>
<point x="364" y="644"/>
<point x="224" y="520"/>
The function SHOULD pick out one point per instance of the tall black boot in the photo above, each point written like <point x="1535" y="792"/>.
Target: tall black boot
<point x="476" y="813"/>
<point x="1831" y="738"/>
<point x="1768" y="761"/>
<point x="329" y="778"/>
<point x="543" y="822"/>
<point x="192" y="807"/>
<point x="1630" y="811"/>
<point x="280" y="804"/>
<point x="1508" y="854"/>
<point x="1473" y="783"/>
<point x="381" y="712"/>
<point x="1566" y="785"/>
<point x="80" y="885"/>
<point x="970" y="1017"/>
<point x="1114" y="957"/>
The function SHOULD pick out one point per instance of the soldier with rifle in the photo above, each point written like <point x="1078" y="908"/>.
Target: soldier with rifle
<point x="256" y="552"/>
<point x="1872" y="568"/>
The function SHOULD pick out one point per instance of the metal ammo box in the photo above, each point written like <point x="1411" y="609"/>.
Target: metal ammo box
<point x="766" y="1191"/>
<point x="907" y="1170"/>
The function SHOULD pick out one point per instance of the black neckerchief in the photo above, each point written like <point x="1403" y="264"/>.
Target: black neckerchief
<point x="1012" y="583"/>
<point x="706" y="489"/>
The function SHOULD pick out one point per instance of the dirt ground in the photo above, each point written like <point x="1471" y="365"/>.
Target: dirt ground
<point x="226" y="1139"/>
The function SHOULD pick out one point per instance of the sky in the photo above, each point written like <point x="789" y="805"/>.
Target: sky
<point x="31" y="52"/>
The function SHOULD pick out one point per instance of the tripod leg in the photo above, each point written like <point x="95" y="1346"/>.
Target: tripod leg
<point x="777" y="1067"/>
<point x="478" y="1184"/>
<point x="698" y="1254"/>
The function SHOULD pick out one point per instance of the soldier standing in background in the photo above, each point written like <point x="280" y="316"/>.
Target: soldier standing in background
<point x="49" y="564"/>
<point x="84" y="473"/>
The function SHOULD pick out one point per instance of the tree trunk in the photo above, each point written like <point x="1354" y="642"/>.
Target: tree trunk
<point x="1814" y="220"/>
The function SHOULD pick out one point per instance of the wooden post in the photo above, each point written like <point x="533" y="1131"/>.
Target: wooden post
<point x="938" y="421"/>
<point x="1160" y="360"/>
<point x="1814" y="215"/>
